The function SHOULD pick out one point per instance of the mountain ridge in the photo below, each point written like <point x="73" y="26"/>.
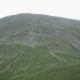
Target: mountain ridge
<point x="39" y="47"/>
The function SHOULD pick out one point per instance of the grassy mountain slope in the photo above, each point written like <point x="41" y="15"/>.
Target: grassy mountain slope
<point x="39" y="47"/>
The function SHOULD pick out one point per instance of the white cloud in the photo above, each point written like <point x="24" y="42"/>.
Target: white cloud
<point x="62" y="8"/>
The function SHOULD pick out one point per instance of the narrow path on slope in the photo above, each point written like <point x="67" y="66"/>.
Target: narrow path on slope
<point x="32" y="34"/>
<point x="18" y="56"/>
<point x="14" y="63"/>
<point x="17" y="59"/>
<point x="8" y="66"/>
<point x="51" y="52"/>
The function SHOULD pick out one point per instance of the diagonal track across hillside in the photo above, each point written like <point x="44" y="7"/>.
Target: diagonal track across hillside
<point x="51" y="52"/>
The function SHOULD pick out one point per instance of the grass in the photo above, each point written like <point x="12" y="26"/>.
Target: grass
<point x="36" y="63"/>
<point x="35" y="47"/>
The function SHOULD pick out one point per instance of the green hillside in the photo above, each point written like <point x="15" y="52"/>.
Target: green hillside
<point x="39" y="47"/>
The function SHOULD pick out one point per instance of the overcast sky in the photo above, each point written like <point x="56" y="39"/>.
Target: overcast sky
<point x="61" y="8"/>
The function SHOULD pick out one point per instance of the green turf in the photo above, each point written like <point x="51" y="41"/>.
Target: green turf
<point x="39" y="47"/>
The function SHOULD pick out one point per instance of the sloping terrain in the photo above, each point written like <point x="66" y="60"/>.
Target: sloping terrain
<point x="39" y="47"/>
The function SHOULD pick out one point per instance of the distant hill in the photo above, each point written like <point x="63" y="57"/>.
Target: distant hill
<point x="39" y="47"/>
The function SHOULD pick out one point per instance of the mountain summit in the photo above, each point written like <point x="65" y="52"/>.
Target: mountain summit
<point x="39" y="47"/>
